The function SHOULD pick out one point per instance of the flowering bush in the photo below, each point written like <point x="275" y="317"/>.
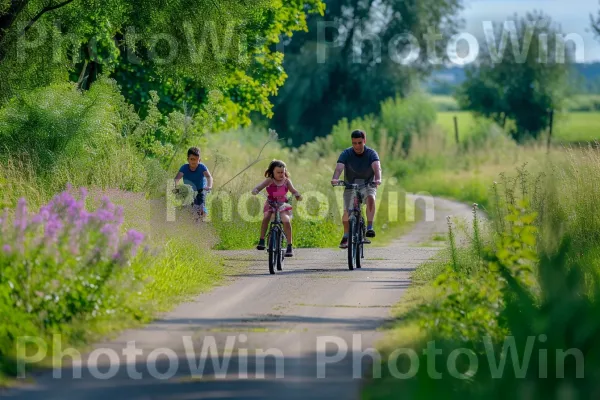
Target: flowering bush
<point x="65" y="262"/>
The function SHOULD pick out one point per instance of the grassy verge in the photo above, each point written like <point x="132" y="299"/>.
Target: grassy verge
<point x="174" y="266"/>
<point x="525" y="290"/>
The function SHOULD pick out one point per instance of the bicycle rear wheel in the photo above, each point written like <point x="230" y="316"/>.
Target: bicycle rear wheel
<point x="352" y="245"/>
<point x="273" y="254"/>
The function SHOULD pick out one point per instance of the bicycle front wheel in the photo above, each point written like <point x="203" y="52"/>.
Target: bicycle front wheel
<point x="273" y="253"/>
<point x="359" y="243"/>
<point x="352" y="243"/>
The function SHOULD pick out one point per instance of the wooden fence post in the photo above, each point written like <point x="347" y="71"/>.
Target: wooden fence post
<point x="550" y="131"/>
<point x="456" y="129"/>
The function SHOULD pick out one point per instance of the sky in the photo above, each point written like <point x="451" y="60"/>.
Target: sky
<point x="572" y="15"/>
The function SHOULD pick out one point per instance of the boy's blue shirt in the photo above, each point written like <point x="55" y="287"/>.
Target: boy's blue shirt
<point x="194" y="178"/>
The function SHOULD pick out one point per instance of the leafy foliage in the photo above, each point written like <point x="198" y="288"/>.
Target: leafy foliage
<point x="524" y="87"/>
<point x="147" y="46"/>
<point x="349" y="61"/>
<point x="68" y="136"/>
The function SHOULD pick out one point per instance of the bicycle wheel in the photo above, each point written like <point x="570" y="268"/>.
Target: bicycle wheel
<point x="359" y="242"/>
<point x="280" y="251"/>
<point x="352" y="245"/>
<point x="272" y="251"/>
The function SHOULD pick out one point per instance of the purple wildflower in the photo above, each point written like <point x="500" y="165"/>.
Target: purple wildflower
<point x="21" y="215"/>
<point x="6" y="248"/>
<point x="53" y="226"/>
<point x="111" y="233"/>
<point x="74" y="245"/>
<point x="107" y="204"/>
<point x="134" y="237"/>
<point x="119" y="215"/>
<point x="103" y="216"/>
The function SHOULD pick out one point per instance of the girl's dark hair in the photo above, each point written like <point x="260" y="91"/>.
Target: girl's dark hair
<point x="276" y="164"/>
<point x="193" y="151"/>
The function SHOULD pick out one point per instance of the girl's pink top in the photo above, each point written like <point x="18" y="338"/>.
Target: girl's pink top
<point x="278" y="193"/>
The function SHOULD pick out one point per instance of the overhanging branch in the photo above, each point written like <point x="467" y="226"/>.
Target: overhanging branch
<point x="42" y="12"/>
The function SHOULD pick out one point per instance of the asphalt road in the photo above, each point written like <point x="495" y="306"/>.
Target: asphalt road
<point x="303" y="333"/>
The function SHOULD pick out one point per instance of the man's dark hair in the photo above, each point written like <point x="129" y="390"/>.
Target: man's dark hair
<point x="194" y="151"/>
<point x="358" y="134"/>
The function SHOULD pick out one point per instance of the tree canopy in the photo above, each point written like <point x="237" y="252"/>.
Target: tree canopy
<point x="355" y="56"/>
<point x="183" y="49"/>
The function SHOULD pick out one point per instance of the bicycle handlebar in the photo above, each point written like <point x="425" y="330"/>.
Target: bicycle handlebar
<point x="354" y="185"/>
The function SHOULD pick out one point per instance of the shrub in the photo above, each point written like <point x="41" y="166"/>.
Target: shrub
<point x="65" y="262"/>
<point x="65" y="135"/>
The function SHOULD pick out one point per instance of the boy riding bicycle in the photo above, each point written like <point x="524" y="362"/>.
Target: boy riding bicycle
<point x="196" y="174"/>
<point x="361" y="165"/>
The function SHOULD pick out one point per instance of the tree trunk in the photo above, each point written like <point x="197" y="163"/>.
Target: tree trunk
<point x="7" y="20"/>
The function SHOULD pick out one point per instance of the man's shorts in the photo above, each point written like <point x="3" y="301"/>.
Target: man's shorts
<point x="365" y="191"/>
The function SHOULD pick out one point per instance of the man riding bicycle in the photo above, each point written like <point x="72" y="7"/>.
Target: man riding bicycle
<point x="361" y="166"/>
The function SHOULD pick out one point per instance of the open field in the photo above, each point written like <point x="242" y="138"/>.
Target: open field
<point x="571" y="127"/>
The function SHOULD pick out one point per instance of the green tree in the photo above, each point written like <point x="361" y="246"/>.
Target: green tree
<point x="183" y="49"/>
<point x="351" y="59"/>
<point x="521" y="85"/>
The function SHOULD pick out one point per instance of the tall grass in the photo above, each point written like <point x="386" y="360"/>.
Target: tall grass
<point x="238" y="160"/>
<point x="531" y="282"/>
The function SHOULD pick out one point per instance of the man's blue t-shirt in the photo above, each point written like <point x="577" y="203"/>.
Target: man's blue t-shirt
<point x="358" y="167"/>
<point x="194" y="178"/>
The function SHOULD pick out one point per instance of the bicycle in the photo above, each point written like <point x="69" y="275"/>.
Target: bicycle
<point x="198" y="212"/>
<point x="356" y="224"/>
<point x="275" y="235"/>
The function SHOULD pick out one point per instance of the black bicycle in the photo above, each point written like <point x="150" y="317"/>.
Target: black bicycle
<point x="356" y="224"/>
<point x="275" y="237"/>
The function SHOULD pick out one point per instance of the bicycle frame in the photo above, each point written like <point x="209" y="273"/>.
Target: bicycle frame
<point x="356" y="224"/>
<point x="275" y="230"/>
<point x="275" y="206"/>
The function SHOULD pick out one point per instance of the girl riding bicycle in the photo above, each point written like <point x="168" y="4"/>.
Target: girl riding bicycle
<point x="277" y="185"/>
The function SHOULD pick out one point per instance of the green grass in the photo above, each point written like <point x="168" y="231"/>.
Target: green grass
<point x="445" y="103"/>
<point x="577" y="127"/>
<point x="445" y="119"/>
<point x="540" y="279"/>
<point x="317" y="219"/>
<point x="570" y="127"/>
